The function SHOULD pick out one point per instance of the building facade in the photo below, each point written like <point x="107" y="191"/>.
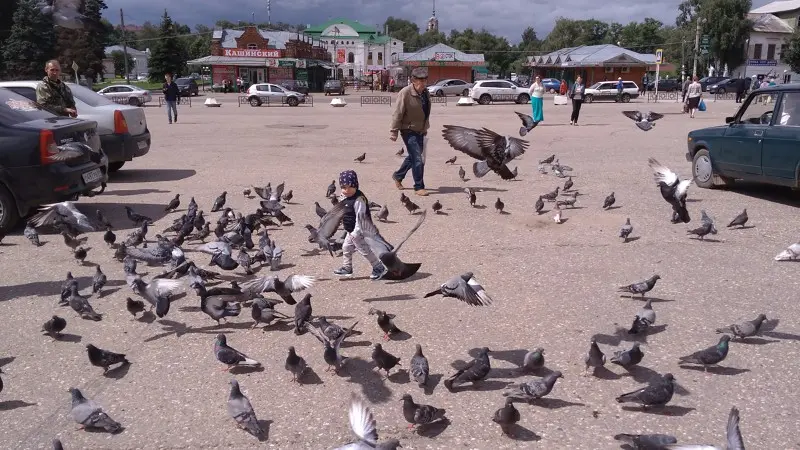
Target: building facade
<point x="141" y="60"/>
<point x="442" y="62"/>
<point x="773" y="25"/>
<point x="355" y="49"/>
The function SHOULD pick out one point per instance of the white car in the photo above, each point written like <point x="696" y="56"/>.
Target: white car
<point x="122" y="128"/>
<point x="492" y="91"/>
<point x="607" y="90"/>
<point x="126" y="94"/>
<point x="259" y="93"/>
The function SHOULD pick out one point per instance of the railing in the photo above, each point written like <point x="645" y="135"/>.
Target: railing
<point x="181" y="101"/>
<point x="376" y="100"/>
<point x="272" y="101"/>
<point x="725" y="96"/>
<point x="442" y="99"/>
<point x="661" y="96"/>
<point x="505" y="97"/>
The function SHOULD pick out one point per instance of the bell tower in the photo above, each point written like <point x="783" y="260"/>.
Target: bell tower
<point x="433" y="22"/>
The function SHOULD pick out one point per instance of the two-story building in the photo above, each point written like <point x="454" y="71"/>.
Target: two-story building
<point x="773" y="25"/>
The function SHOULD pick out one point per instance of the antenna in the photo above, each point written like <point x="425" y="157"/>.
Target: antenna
<point x="434" y="8"/>
<point x="269" y="12"/>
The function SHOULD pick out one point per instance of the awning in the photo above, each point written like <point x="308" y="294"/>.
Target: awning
<point x="229" y="61"/>
<point x="481" y="69"/>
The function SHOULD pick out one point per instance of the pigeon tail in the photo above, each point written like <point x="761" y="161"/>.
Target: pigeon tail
<point x="432" y="293"/>
<point x="481" y="168"/>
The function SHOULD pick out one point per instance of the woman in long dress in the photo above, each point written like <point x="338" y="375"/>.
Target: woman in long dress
<point x="693" y="95"/>
<point x="536" y="92"/>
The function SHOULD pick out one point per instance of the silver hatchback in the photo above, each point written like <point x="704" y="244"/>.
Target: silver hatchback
<point x="450" y="87"/>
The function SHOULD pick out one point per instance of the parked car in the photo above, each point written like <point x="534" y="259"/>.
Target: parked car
<point x="187" y="86"/>
<point x="333" y="87"/>
<point x="258" y="93"/>
<point x="126" y="93"/>
<point x="449" y="86"/>
<point x="729" y="85"/>
<point x="705" y="82"/>
<point x="759" y="143"/>
<point x="296" y="86"/>
<point x="122" y="128"/>
<point x="607" y="90"/>
<point x="551" y="85"/>
<point x="29" y="135"/>
<point x="488" y="91"/>
<point x="665" y="85"/>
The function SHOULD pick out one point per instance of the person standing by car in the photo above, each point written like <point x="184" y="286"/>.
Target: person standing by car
<point x="411" y="119"/>
<point x="740" y="89"/>
<point x="619" y="89"/>
<point x="645" y="83"/>
<point x="53" y="94"/>
<point x="693" y="94"/>
<point x="576" y="94"/>
<point x="171" y="96"/>
<point x="391" y="84"/>
<point x="536" y="93"/>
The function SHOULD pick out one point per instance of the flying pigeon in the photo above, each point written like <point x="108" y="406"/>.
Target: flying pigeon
<point x="642" y="287"/>
<point x="673" y="190"/>
<point x="710" y="356"/>
<point x="492" y="150"/>
<point x="792" y="253"/>
<point x="739" y="220"/>
<point x="332" y="353"/>
<point x="284" y="288"/>
<point x="240" y="410"/>
<point x="90" y="415"/>
<point x="733" y="437"/>
<point x="744" y="329"/>
<point x="527" y="123"/>
<point x="157" y="292"/>
<point x="465" y="288"/>
<point x="658" y="392"/>
<point x="645" y="121"/>
<point x="362" y="422"/>
<point x="62" y="213"/>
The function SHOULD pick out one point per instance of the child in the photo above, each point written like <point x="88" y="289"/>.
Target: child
<point x="356" y="210"/>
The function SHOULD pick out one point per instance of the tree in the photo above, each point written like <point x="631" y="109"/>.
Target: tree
<point x="200" y="43"/>
<point x="119" y="62"/>
<point x="726" y="24"/>
<point x="7" y="9"/>
<point x="96" y="33"/>
<point x="791" y="55"/>
<point x="31" y="42"/>
<point x="404" y="30"/>
<point x="167" y="54"/>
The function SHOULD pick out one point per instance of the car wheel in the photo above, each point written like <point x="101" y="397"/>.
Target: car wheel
<point x="292" y="101"/>
<point x="522" y="99"/>
<point x="326" y="94"/>
<point x="721" y="91"/>
<point x="255" y="101"/>
<point x="115" y="166"/>
<point x="702" y="170"/>
<point x="133" y="101"/>
<point x="440" y="93"/>
<point x="589" y="98"/>
<point x="465" y="93"/>
<point x="626" y="98"/>
<point x="485" y="99"/>
<point x="552" y="91"/>
<point x="8" y="211"/>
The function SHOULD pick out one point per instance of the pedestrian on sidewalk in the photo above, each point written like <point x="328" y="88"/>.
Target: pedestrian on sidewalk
<point x="411" y="119"/>
<point x="693" y="94"/>
<point x="536" y="93"/>
<point x="171" y="96"/>
<point x="576" y="93"/>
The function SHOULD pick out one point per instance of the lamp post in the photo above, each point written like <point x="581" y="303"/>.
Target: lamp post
<point x="746" y="57"/>
<point x="335" y="54"/>
<point x="696" y="45"/>
<point x="135" y="70"/>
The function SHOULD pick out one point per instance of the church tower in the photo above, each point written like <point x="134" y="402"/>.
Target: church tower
<point x="433" y="22"/>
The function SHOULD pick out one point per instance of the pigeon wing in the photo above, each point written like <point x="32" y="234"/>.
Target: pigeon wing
<point x="652" y="117"/>
<point x="527" y="120"/>
<point x="362" y="421"/>
<point x="297" y="283"/>
<point x="516" y="148"/>
<point x="682" y="189"/>
<point x="162" y="287"/>
<point x="734" y="435"/>
<point x="408" y="235"/>
<point x="330" y="222"/>
<point x="635" y="116"/>
<point x="662" y="173"/>
<point x="492" y="144"/>
<point x="464" y="140"/>
<point x="459" y="288"/>
<point x="479" y="291"/>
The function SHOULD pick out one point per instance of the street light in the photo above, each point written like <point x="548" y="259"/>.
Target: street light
<point x="697" y="45"/>
<point x="135" y="70"/>
<point x="746" y="57"/>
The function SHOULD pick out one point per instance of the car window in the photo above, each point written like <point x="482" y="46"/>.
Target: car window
<point x="506" y="84"/>
<point x="458" y="82"/>
<point x="759" y="110"/>
<point x="124" y="89"/>
<point x="15" y="108"/>
<point x="629" y="85"/>
<point x="182" y="81"/>
<point x="789" y="110"/>
<point x="274" y="88"/>
<point x="26" y="92"/>
<point x="595" y="86"/>
<point x="89" y="96"/>
<point x="262" y="88"/>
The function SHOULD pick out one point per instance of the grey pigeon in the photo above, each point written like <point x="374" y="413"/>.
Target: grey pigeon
<point x="474" y="372"/>
<point x="462" y="174"/>
<point x="551" y="196"/>
<point x="499" y="205"/>
<point x="319" y="210"/>
<point x="63" y="213"/>
<point x="658" y="392"/>
<point x="507" y="415"/>
<point x="295" y="364"/>
<point x="383" y="359"/>
<point x="416" y="414"/>
<point x="240" y="409"/>
<point x="644" y="318"/>
<point x="646" y="441"/>
<point x="157" y="292"/>
<point x="744" y="329"/>
<point x="642" y="287"/>
<point x="595" y="358"/>
<point x="88" y="414"/>
<point x="263" y="311"/>
<point x="331" y="189"/>
<point x="465" y="288"/>
<point x="539" y="205"/>
<point x="792" y="253"/>
<point x="492" y="150"/>
<point x="567" y="185"/>
<point x="452" y="160"/>
<point x="645" y="121"/>
<point x="99" y="280"/>
<point x="332" y="352"/>
<point x="527" y="123"/>
<point x="54" y="326"/>
<point x="284" y="288"/>
<point x="219" y="202"/>
<point x="533" y="360"/>
<point x="230" y="356"/>
<point x="628" y="358"/>
<point x="533" y="389"/>
<point x="361" y="157"/>
<point x="174" y="203"/>
<point x="419" y="370"/>
<point x="673" y="190"/>
<point x="104" y="358"/>
<point x="739" y="220"/>
<point x="134" y="306"/>
<point x="218" y="304"/>
<point x="363" y="423"/>
<point x="626" y="230"/>
<point x="302" y="314"/>
<point x="733" y="437"/>
<point x="609" y="201"/>
<point x="32" y="235"/>
<point x="80" y="305"/>
<point x="437" y="206"/>
<point x="548" y="160"/>
<point x="330" y="330"/>
<point x="385" y="322"/>
<point x="57" y="445"/>
<point x="383" y="214"/>
<point x="710" y="356"/>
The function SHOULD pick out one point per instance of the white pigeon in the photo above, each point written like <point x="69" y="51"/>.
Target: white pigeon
<point x="362" y="422"/>
<point x="557" y="217"/>
<point x="792" y="253"/>
<point x="54" y="213"/>
<point x="645" y="122"/>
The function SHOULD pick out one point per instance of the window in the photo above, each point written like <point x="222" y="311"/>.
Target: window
<point x="629" y="85"/>
<point x="771" y="51"/>
<point x="15" y="108"/>
<point x="380" y="58"/>
<point x="369" y="59"/>
<point x="609" y="70"/>
<point x="351" y="58"/>
<point x="262" y="87"/>
<point x="252" y="47"/>
<point x="457" y="83"/>
<point x="626" y="70"/>
<point x="274" y="88"/>
<point x="783" y="47"/>
<point x="350" y="72"/>
<point x="759" y="110"/>
<point x="88" y="96"/>
<point x="789" y="110"/>
<point x="757" y="51"/>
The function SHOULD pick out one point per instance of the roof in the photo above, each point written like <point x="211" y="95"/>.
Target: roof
<point x="354" y="24"/>
<point x="427" y="54"/>
<point x="131" y="51"/>
<point x="769" y="23"/>
<point x="778" y="7"/>
<point x="277" y="39"/>
<point x="228" y="60"/>
<point x="593" y="55"/>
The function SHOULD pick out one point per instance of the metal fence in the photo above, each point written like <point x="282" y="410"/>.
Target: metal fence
<point x="272" y="101"/>
<point x="442" y="99"/>
<point x="376" y="100"/>
<point x="181" y="101"/>
<point x="676" y="96"/>
<point x="505" y="98"/>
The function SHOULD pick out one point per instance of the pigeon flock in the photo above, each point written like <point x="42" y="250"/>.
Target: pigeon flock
<point x="231" y="262"/>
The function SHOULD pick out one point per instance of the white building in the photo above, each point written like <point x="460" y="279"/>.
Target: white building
<point x="141" y="61"/>
<point x="355" y="48"/>
<point x="773" y="25"/>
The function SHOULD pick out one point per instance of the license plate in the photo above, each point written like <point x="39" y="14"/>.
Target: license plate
<point x="141" y="145"/>
<point x="92" y="176"/>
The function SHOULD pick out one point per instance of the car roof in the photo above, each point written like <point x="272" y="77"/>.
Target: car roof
<point x="789" y="87"/>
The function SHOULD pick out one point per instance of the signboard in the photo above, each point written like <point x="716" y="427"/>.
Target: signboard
<point x="444" y="56"/>
<point x="285" y="63"/>
<point x="246" y="53"/>
<point x="659" y="55"/>
<point x="340" y="56"/>
<point x="442" y="63"/>
<point x="704" y="44"/>
<point x="74" y="66"/>
<point x="762" y="62"/>
<point x="220" y="73"/>
<point x="301" y="64"/>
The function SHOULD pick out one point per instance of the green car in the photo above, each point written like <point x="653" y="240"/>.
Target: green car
<point x="761" y="143"/>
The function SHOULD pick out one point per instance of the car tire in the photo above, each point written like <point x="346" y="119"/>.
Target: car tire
<point x="440" y="93"/>
<point x="485" y="99"/>
<point x="254" y="101"/>
<point x="589" y="98"/>
<point x="292" y="101"/>
<point x="522" y="99"/>
<point x="133" y="101"/>
<point x="721" y="91"/>
<point x="702" y="169"/>
<point x="115" y="166"/>
<point x="9" y="216"/>
<point x="465" y="93"/>
<point x="626" y="98"/>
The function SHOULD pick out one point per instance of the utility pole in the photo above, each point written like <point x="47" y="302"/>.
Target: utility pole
<point x="124" y="46"/>
<point x="696" y="47"/>
<point x="269" y="12"/>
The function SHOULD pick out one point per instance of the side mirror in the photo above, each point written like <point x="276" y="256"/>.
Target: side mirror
<point x="730" y="119"/>
<point x="513" y="87"/>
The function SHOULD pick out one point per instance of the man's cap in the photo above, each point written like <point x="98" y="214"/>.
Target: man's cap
<point x="419" y="73"/>
<point x="619" y="78"/>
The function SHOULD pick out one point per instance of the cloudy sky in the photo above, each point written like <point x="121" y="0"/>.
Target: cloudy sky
<point x="507" y="17"/>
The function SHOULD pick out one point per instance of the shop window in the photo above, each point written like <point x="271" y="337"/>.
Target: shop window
<point x="350" y="73"/>
<point x="626" y="70"/>
<point x="609" y="70"/>
<point x="351" y="58"/>
<point x="380" y="58"/>
<point x="252" y="46"/>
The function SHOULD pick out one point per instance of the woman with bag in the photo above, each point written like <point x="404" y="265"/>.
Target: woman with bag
<point x="536" y="93"/>
<point x="693" y="95"/>
<point x="576" y="93"/>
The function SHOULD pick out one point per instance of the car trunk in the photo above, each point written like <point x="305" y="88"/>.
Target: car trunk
<point x="134" y="117"/>
<point x="64" y="131"/>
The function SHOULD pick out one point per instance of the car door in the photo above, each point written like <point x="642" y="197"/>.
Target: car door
<point x="276" y="93"/>
<point x="507" y="89"/>
<point x="740" y="150"/>
<point x="454" y="87"/>
<point x="780" y="151"/>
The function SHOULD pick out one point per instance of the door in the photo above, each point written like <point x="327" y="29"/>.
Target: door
<point x="607" y="91"/>
<point x="740" y="150"/>
<point x="259" y="76"/>
<point x="780" y="153"/>
<point x="276" y="93"/>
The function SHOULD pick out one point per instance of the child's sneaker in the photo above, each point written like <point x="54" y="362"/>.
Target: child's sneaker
<point x="344" y="271"/>
<point x="378" y="271"/>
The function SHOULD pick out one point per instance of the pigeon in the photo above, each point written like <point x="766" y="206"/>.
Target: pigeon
<point x="706" y="226"/>
<point x="416" y="414"/>
<point x="474" y="372"/>
<point x="263" y="311"/>
<point x="733" y="437"/>
<point x="332" y="353"/>
<point x="499" y="205"/>
<point x="533" y="389"/>
<point x="385" y="322"/>
<point x="136" y="218"/>
<point x="646" y="441"/>
<point x="218" y="305"/>
<point x="568" y="201"/>
<point x="102" y="220"/>
<point x="66" y="288"/>
<point x="362" y="422"/>
<point x="319" y="210"/>
<point x="792" y="253"/>
<point x="109" y="237"/>
<point x="246" y="193"/>
<point x="302" y="314"/>
<point x="174" y="203"/>
<point x="396" y="269"/>
<point x="645" y="121"/>
<point x="527" y="123"/>
<point x="240" y="409"/>
<point x="295" y="364"/>
<point x="533" y="360"/>
<point x="57" y="445"/>
<point x="548" y="160"/>
<point x="465" y="288"/>
<point x="99" y="280"/>
<point x="507" y="415"/>
<point x="360" y="158"/>
<point x="80" y="305"/>
<point x="383" y="214"/>
<point x="219" y="202"/>
<point x="65" y="13"/>
<point x="383" y="359"/>
<point x="673" y="190"/>
<point x="557" y="217"/>
<point x="739" y="220"/>
<point x="644" y="318"/>
<point x="32" y="235"/>
<point x="90" y="415"/>
<point x="492" y="150"/>
<point x="157" y="292"/>
<point x="626" y="230"/>
<point x="403" y="198"/>
<point x="550" y="196"/>
<point x="65" y="213"/>
<point x="400" y="152"/>
<point x="54" y="326"/>
<point x="609" y="201"/>
<point x="134" y="306"/>
<point x="331" y="189"/>
<point x="437" y="206"/>
<point x="451" y="160"/>
<point x="287" y="197"/>
<point x="462" y="174"/>
<point x="642" y="287"/>
<point x="104" y="358"/>
<point x="595" y="358"/>
<point x="539" y="205"/>
<point x="567" y="185"/>
<point x="244" y="260"/>
<point x="284" y="288"/>
<point x="330" y="330"/>
<point x="744" y="329"/>
<point x="658" y="392"/>
<point x="411" y="206"/>
<point x="230" y="356"/>
<point x="72" y="241"/>
<point x="710" y="356"/>
<point x="515" y="172"/>
<point x="628" y="358"/>
<point x="471" y="196"/>
<point x="419" y="370"/>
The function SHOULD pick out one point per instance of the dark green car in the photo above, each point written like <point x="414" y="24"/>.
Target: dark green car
<point x="760" y="143"/>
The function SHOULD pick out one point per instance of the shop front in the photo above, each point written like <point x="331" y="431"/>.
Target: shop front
<point x="443" y="62"/>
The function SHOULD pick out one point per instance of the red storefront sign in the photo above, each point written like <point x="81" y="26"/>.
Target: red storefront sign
<point x="246" y="53"/>
<point x="220" y="73"/>
<point x="340" y="55"/>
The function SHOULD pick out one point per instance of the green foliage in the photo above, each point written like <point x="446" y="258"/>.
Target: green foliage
<point x="119" y="62"/>
<point x="30" y="43"/>
<point x="7" y="8"/>
<point x="791" y="55"/>
<point x="727" y="25"/>
<point x="168" y="53"/>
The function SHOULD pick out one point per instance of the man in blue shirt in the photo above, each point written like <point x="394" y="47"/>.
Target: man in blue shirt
<point x="171" y="96"/>
<point x="619" y="89"/>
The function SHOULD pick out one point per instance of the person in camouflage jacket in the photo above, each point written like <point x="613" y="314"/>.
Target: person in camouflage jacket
<point x="53" y="94"/>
